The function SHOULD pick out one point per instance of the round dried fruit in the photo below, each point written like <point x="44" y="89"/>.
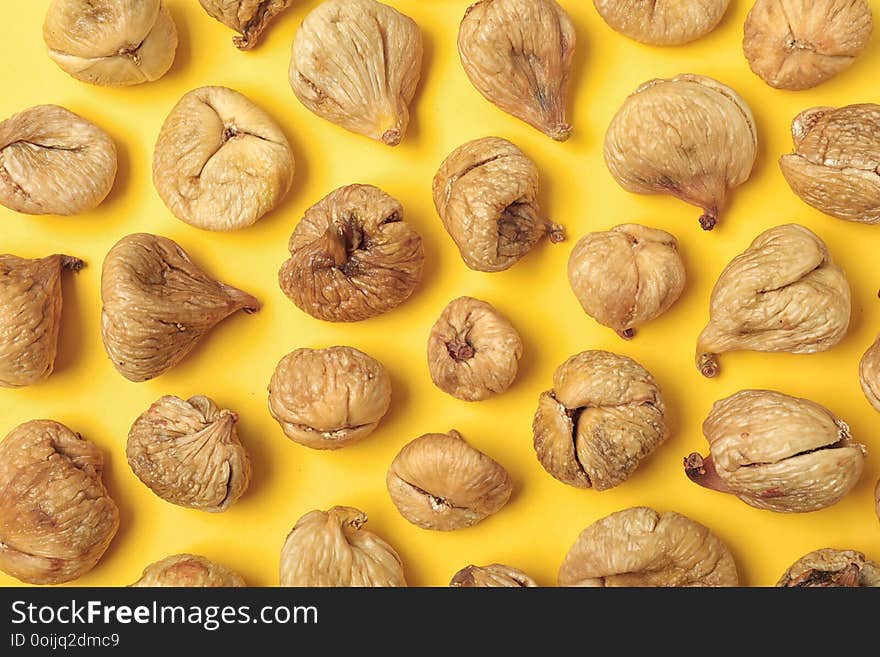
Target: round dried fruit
<point x="662" y="23"/>
<point x="869" y="374"/>
<point x="603" y="416"/>
<point x="438" y="481"/>
<point x="494" y="575"/>
<point x="329" y="398"/>
<point x="331" y="548"/>
<point x="352" y="256"/>
<point x="247" y="17"/>
<point x="777" y="452"/>
<point x="53" y="161"/>
<point x="689" y="136"/>
<point x="56" y="517"/>
<point x="831" y="568"/>
<point x="185" y="570"/>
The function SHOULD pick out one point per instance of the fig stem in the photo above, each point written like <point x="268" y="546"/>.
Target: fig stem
<point x="702" y="471"/>
<point x="627" y="334"/>
<point x="391" y="137"/>
<point x="555" y="232"/>
<point x="559" y="132"/>
<point x="708" y="220"/>
<point x="71" y="263"/>
<point x="708" y="365"/>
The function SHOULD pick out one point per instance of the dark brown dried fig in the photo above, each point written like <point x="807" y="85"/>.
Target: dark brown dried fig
<point x="661" y="22"/>
<point x="188" y="570"/>
<point x="247" y="17"/>
<point x="493" y="575"/>
<point x="831" y="568"/>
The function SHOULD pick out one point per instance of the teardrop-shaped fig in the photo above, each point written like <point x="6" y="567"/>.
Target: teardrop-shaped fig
<point x="188" y="570"/>
<point x="662" y="23"/>
<point x="247" y="17"/>
<point x="158" y="305"/>
<point x="518" y="54"/>
<point x="689" y="136"/>
<point x="494" y="575"/>
<point x="357" y="63"/>
<point x="828" y="568"/>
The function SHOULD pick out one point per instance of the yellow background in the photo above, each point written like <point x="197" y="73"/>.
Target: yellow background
<point x="234" y="364"/>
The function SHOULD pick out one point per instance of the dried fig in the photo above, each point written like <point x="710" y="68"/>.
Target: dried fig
<point x="626" y="276"/>
<point x="603" y="416"/>
<point x="357" y="64"/>
<point x="836" y="164"/>
<point x="877" y="498"/>
<point x="869" y="374"/>
<point x="188" y="570"/>
<point x="30" y="316"/>
<point x="247" y="17"/>
<point x="486" y="192"/>
<point x="438" y="481"/>
<point x="518" y="54"/>
<point x="53" y="161"/>
<point x="792" y="44"/>
<point x="662" y="23"/>
<point x="329" y="398"/>
<point x="114" y="43"/>
<point x="56" y="517"/>
<point x="493" y="575"/>
<point x="473" y="351"/>
<point x="777" y="452"/>
<point x="831" y="568"/>
<point x="221" y="162"/>
<point x="689" y="136"/>
<point x="158" y="305"/>
<point x="783" y="293"/>
<point x="188" y="453"/>
<point x="331" y="548"/>
<point x="641" y="547"/>
<point x="352" y="256"/>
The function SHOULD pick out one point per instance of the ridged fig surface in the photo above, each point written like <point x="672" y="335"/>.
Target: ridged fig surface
<point x="827" y="568"/>
<point x="188" y="570"/>
<point x="494" y="575"/>
<point x="662" y="22"/>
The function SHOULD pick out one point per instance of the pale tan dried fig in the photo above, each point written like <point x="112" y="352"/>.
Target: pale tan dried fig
<point x="56" y="517"/>
<point x="247" y="17"/>
<point x="827" y="568"/>
<point x="188" y="570"/>
<point x="331" y="548"/>
<point x="329" y="398"/>
<point x="626" y="276"/>
<point x="158" y="305"/>
<point x="53" y="161"/>
<point x="493" y="575"/>
<point x="797" y="44"/>
<point x="438" y="481"/>
<point x="777" y="452"/>
<point x="835" y="166"/>
<point x="689" y="136"/>
<point x="518" y="54"/>
<point x="869" y="374"/>
<point x="783" y="293"/>
<point x="877" y="498"/>
<point x="352" y="256"/>
<point x="114" y="43"/>
<point x="641" y="547"/>
<point x="188" y="453"/>
<point x="357" y="64"/>
<point x="662" y="22"/>
<point x="604" y="415"/>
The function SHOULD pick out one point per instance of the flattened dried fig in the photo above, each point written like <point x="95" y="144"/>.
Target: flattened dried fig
<point x="30" y="316"/>
<point x="836" y="163"/>
<point x="869" y="374"/>
<point x="357" y="64"/>
<point x="438" y="481"/>
<point x="783" y="293"/>
<point x="352" y="256"/>
<point x="493" y="575"/>
<point x="53" y="161"/>
<point x="603" y="416"/>
<point x="221" y="162"/>
<point x="641" y="547"/>
<point x="329" y="398"/>
<point x="518" y="54"/>
<point x="792" y="44"/>
<point x="190" y="570"/>
<point x="56" y="517"/>
<point x="114" y="43"/>
<point x="188" y="453"/>
<point x="247" y="17"/>
<point x="831" y="568"/>
<point x="777" y="452"/>
<point x="331" y="548"/>
<point x="626" y="276"/>
<point x="689" y="136"/>
<point x="662" y="22"/>
<point x="158" y="305"/>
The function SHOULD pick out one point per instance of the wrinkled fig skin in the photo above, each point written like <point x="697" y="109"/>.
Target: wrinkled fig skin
<point x="247" y="17"/>
<point x="113" y="43"/>
<point x="828" y="568"/>
<point x="869" y="374"/>
<point x="877" y="499"/>
<point x="662" y="22"/>
<point x="357" y="64"/>
<point x="352" y="256"/>
<point x="798" y="44"/>
<point x="603" y="416"/>
<point x="626" y="276"/>
<point x="329" y="398"/>
<point x="221" y="162"/>
<point x="56" y="517"/>
<point x="53" y="161"/>
<point x="641" y="547"/>
<point x="518" y="54"/>
<point x="689" y="136"/>
<point x="438" y="481"/>
<point x="30" y="316"/>
<point x="836" y="164"/>
<point x="158" y="305"/>
<point x="782" y="294"/>
<point x="331" y="548"/>
<point x="494" y="575"/>
<point x="473" y="351"/>
<point x="486" y="193"/>
<point x="777" y="452"/>
<point x="188" y="570"/>
<point x="188" y="453"/>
